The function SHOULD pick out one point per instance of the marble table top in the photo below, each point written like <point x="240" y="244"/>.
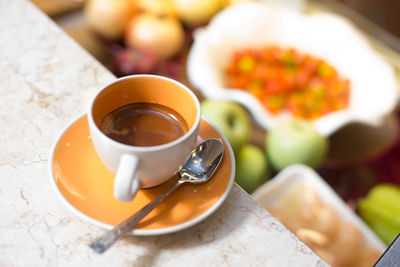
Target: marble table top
<point x="46" y="80"/>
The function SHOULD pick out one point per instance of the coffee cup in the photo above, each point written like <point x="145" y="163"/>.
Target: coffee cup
<point x="143" y="128"/>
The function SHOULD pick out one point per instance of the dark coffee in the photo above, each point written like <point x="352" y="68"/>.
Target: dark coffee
<point x="144" y="124"/>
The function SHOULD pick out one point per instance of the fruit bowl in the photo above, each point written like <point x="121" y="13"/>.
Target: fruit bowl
<point x="373" y="91"/>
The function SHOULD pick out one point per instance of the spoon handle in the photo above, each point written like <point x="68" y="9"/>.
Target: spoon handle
<point x="110" y="237"/>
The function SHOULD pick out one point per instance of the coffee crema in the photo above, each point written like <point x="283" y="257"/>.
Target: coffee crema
<point x="144" y="124"/>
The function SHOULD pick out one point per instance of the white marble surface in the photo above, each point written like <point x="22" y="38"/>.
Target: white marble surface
<point x="46" y="80"/>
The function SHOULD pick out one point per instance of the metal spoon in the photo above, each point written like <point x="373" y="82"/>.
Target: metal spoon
<point x="198" y="168"/>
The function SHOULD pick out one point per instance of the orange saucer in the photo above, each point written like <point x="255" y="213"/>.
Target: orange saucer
<point x="85" y="185"/>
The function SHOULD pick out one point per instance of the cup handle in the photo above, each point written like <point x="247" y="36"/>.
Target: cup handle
<point x="126" y="183"/>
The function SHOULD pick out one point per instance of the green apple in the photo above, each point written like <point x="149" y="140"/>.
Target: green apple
<point x="230" y="118"/>
<point x="293" y="142"/>
<point x="251" y="168"/>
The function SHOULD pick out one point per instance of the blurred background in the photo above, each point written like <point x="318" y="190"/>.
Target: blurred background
<point x="378" y="18"/>
<point x="360" y="156"/>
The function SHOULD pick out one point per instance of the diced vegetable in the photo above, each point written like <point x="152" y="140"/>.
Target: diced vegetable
<point x="285" y="80"/>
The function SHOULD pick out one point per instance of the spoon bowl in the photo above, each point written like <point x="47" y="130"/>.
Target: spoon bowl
<point x="198" y="168"/>
<point x="202" y="162"/>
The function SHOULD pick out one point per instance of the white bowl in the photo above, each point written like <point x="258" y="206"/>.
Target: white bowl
<point x="255" y="24"/>
<point x="275" y="190"/>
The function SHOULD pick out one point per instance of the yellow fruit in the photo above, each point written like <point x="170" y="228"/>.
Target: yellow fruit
<point x="109" y="17"/>
<point x="197" y="12"/>
<point x="157" y="7"/>
<point x="160" y="35"/>
<point x="227" y="3"/>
